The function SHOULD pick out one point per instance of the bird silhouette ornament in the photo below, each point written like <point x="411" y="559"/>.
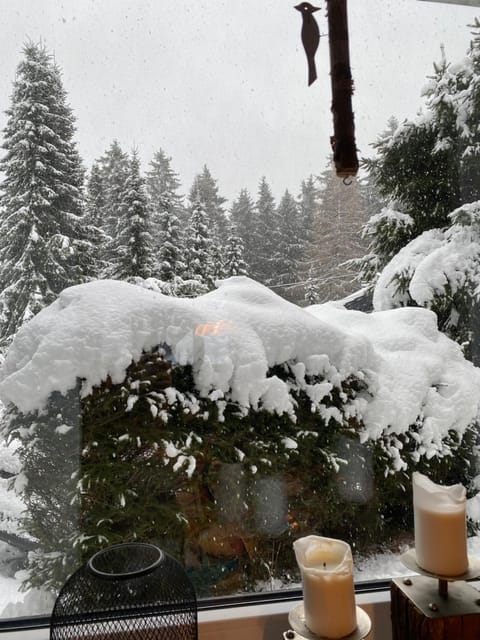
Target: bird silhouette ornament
<point x="310" y="37"/>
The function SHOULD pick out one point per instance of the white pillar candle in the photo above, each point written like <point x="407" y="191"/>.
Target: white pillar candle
<point x="326" y="566"/>
<point x="440" y="526"/>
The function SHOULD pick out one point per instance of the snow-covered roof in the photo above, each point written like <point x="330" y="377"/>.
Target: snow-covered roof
<point x="232" y="336"/>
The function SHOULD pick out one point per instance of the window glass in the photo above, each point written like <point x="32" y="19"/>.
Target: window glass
<point x="210" y="340"/>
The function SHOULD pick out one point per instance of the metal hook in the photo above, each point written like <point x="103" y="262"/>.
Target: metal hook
<point x="347" y="184"/>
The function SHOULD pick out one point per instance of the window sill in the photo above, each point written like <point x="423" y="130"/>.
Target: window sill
<point x="269" y="621"/>
<point x="266" y="621"/>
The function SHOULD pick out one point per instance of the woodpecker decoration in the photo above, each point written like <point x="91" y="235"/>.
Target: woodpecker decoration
<point x="343" y="138"/>
<point x="310" y="37"/>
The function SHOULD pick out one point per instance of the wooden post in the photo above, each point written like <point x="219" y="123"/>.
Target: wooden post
<point x="343" y="139"/>
<point x="420" y="611"/>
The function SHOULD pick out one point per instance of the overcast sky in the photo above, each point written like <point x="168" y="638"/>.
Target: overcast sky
<point x="223" y="82"/>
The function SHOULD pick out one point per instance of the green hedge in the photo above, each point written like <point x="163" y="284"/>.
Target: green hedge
<point x="100" y="470"/>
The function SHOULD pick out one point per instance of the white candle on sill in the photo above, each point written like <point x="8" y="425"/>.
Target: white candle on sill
<point x="326" y="566"/>
<point x="440" y="527"/>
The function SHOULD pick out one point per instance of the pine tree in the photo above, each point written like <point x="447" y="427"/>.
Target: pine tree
<point x="130" y="252"/>
<point x="199" y="261"/>
<point x="45" y="243"/>
<point x="95" y="205"/>
<point x="96" y="197"/>
<point x="426" y="167"/>
<point x="336" y="236"/>
<point x="168" y="216"/>
<point x="312" y="293"/>
<point x="205" y="189"/>
<point x="309" y="206"/>
<point x="467" y="100"/>
<point x="243" y="215"/>
<point x="424" y="246"/>
<point x="170" y="252"/>
<point x="234" y="251"/>
<point x="288" y="253"/>
<point x="163" y="184"/>
<point x="114" y="170"/>
<point x="418" y="167"/>
<point x="263" y="267"/>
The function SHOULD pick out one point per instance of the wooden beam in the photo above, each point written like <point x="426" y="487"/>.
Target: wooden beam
<point x="452" y="617"/>
<point x="343" y="139"/>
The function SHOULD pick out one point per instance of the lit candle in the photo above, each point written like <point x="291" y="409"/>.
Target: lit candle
<point x="326" y="566"/>
<point x="440" y="527"/>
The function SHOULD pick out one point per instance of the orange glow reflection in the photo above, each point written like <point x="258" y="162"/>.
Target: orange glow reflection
<point x="209" y="328"/>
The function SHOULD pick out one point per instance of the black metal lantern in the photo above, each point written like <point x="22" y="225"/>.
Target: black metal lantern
<point x="127" y="591"/>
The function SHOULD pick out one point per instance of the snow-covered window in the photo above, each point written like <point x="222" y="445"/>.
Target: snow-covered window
<point x="208" y="340"/>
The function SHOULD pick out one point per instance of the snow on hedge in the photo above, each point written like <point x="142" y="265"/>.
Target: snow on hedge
<point x="233" y="335"/>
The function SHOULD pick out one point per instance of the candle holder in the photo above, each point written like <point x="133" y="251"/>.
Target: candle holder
<point x="429" y="606"/>
<point x="449" y="595"/>
<point x="300" y="631"/>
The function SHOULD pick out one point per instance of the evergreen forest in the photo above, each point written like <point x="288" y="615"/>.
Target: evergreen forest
<point x="406" y="233"/>
<point x="64" y="224"/>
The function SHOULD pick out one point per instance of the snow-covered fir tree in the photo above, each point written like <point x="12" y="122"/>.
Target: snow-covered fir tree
<point x="45" y="243"/>
<point x="114" y="170"/>
<point x="263" y="267"/>
<point x="420" y="168"/>
<point x="244" y="217"/>
<point x="95" y="196"/>
<point x="289" y="251"/>
<point x="168" y="217"/>
<point x="234" y="264"/>
<point x="336" y="236"/>
<point x="423" y="248"/>
<point x="385" y="232"/>
<point x="130" y="252"/>
<point x="200" y="266"/>
<point x="163" y="184"/>
<point x="169" y="247"/>
<point x="467" y="103"/>
<point x="308" y="201"/>
<point x="95" y="205"/>
<point x="205" y="189"/>
<point x="312" y="293"/>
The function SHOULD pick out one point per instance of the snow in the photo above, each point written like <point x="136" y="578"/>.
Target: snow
<point x="233" y="335"/>
<point x="11" y="508"/>
<point x="392" y="216"/>
<point x="14" y="604"/>
<point x="386" y="294"/>
<point x="11" y="505"/>
<point x="438" y="262"/>
<point x="416" y="370"/>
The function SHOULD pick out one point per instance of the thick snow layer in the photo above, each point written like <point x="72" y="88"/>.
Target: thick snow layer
<point x="439" y="262"/>
<point x="417" y="371"/>
<point x="387" y="294"/>
<point x="233" y="335"/>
